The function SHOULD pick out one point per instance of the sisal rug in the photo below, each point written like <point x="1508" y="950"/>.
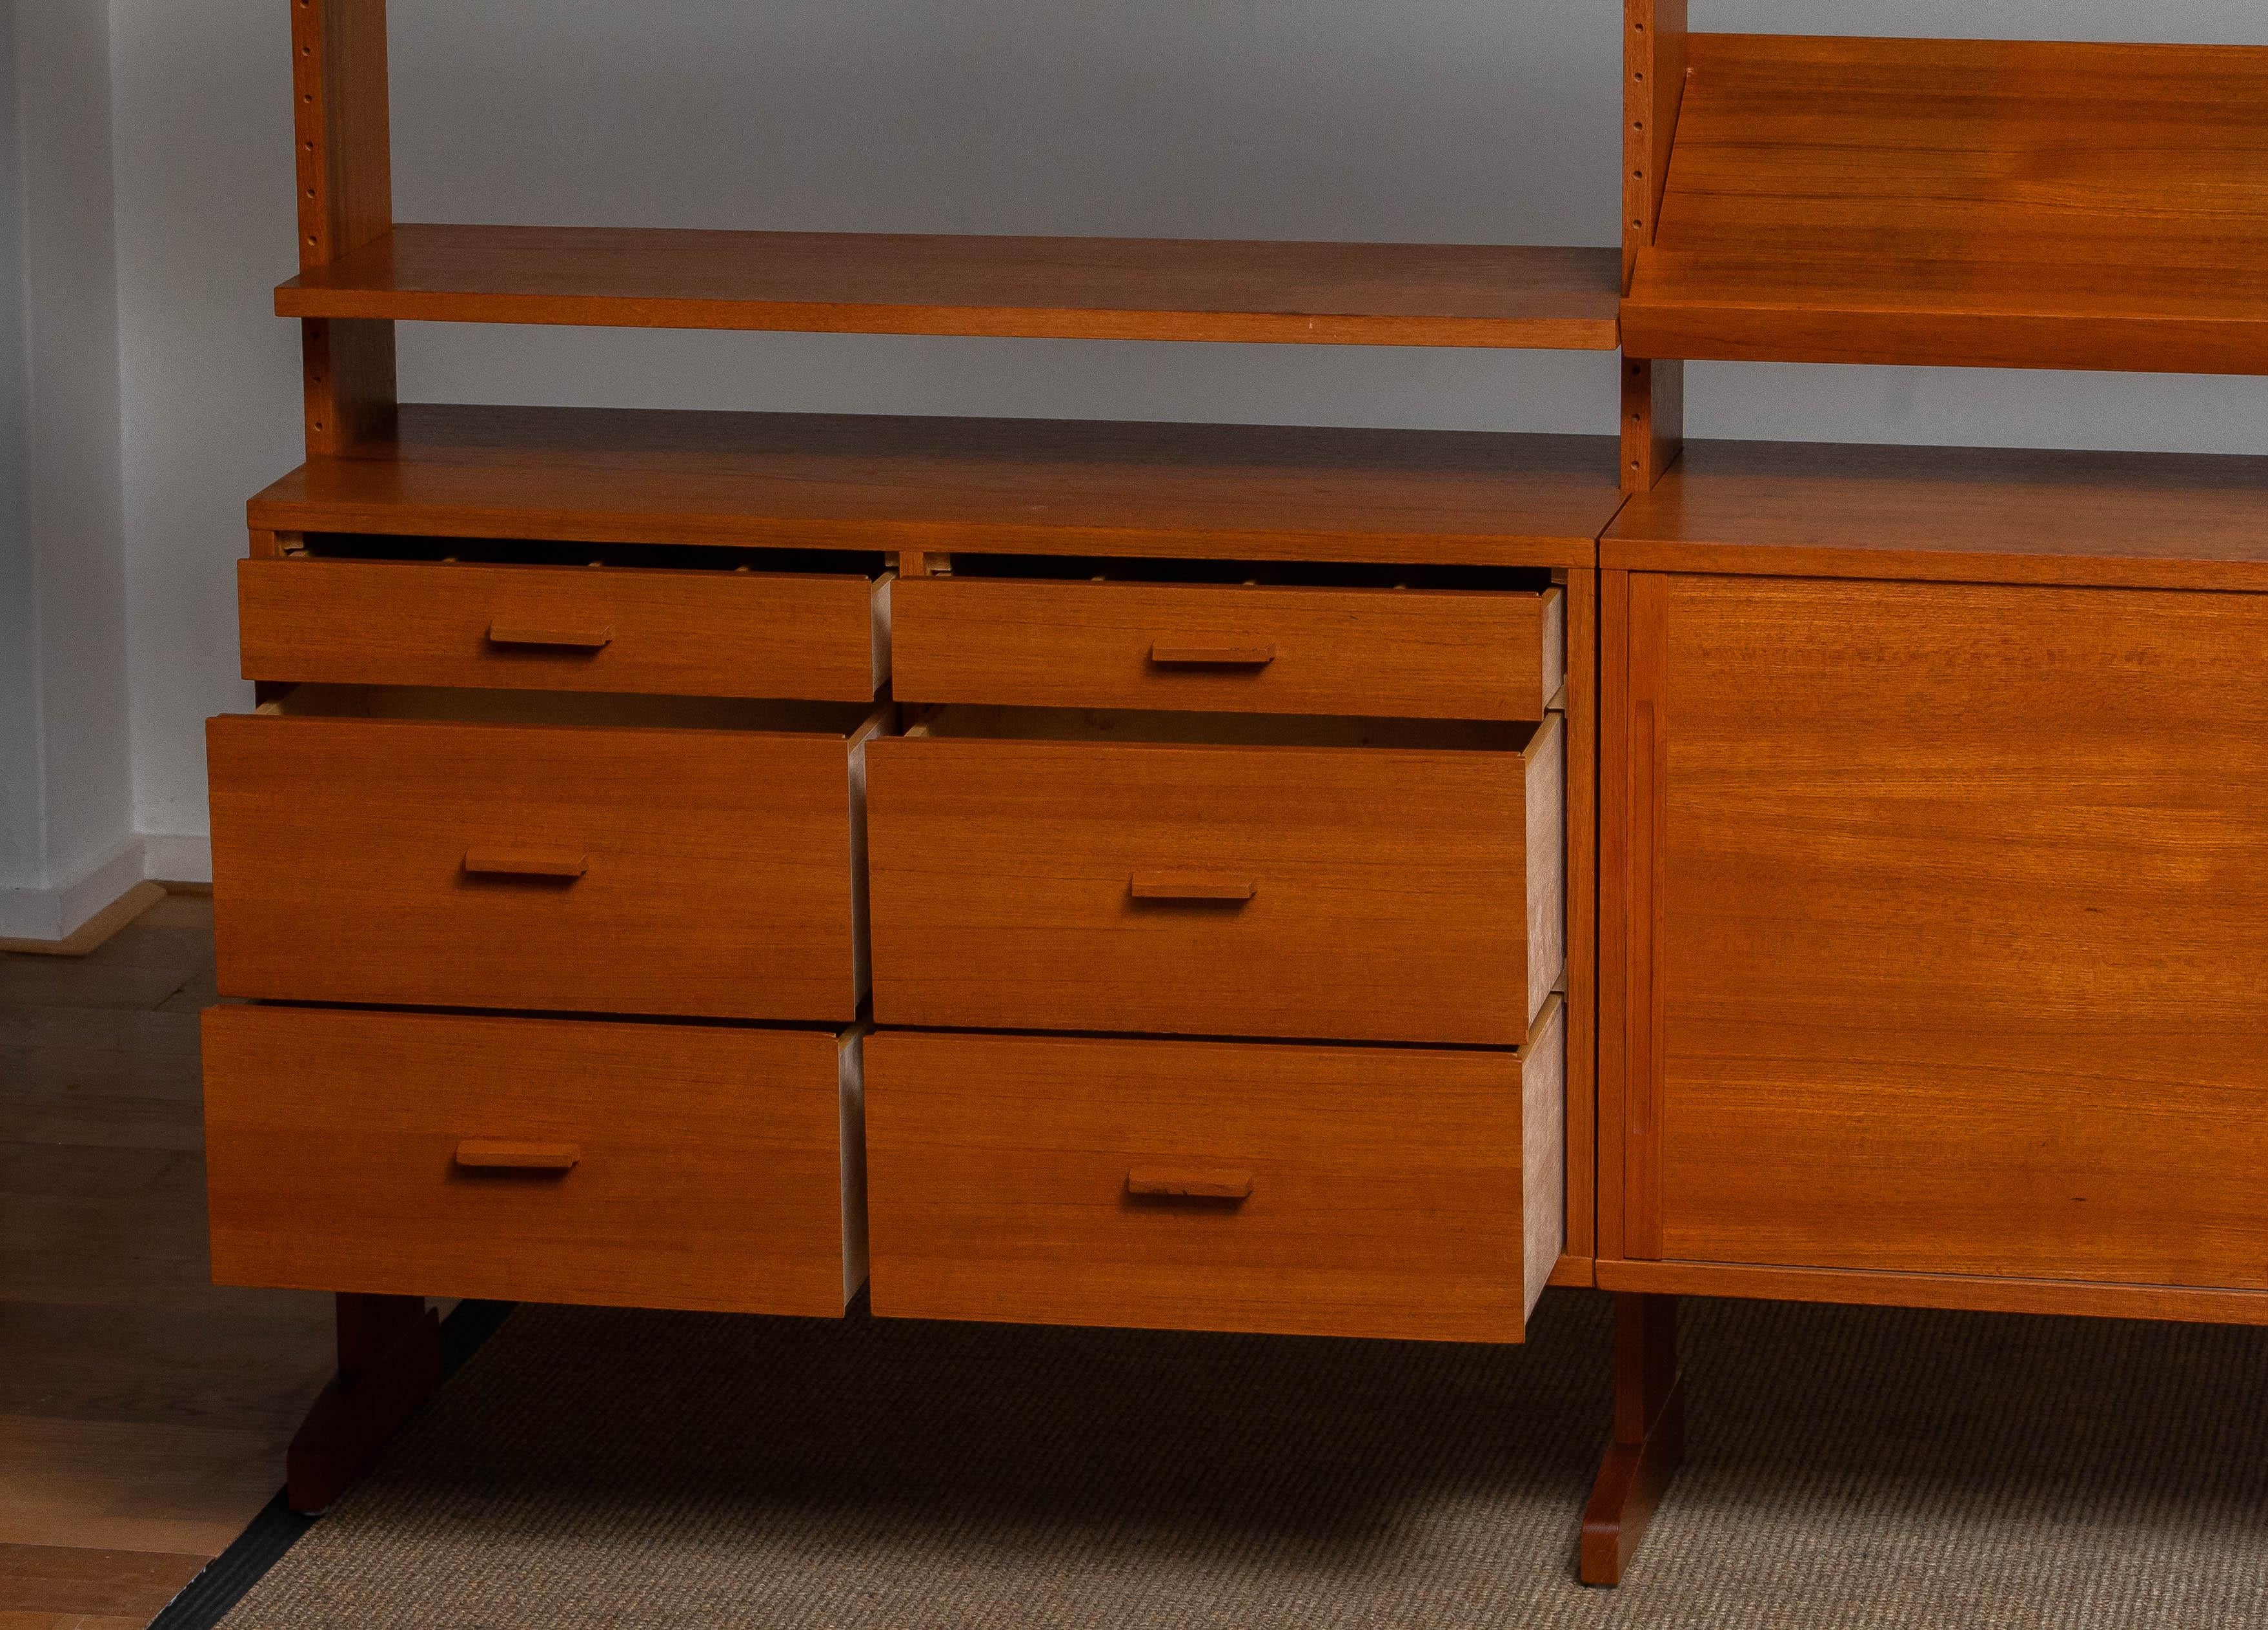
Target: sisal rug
<point x="1847" y="1467"/>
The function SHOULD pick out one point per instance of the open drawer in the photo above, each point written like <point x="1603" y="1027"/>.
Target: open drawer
<point x="627" y="1163"/>
<point x="606" y="854"/>
<point x="1380" y="642"/>
<point x="678" y="621"/>
<point x="1201" y="874"/>
<point x="1405" y="1192"/>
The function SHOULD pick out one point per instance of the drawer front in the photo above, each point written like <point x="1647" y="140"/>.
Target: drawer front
<point x="685" y="872"/>
<point x="1393" y="653"/>
<point x="544" y="628"/>
<point x="538" y="1160"/>
<point x="1309" y="893"/>
<point x="1195" y="1186"/>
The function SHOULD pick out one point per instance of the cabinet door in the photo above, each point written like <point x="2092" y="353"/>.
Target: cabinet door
<point x="1943" y="929"/>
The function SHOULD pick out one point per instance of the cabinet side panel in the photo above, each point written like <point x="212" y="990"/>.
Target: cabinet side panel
<point x="1543" y="1151"/>
<point x="1582" y="693"/>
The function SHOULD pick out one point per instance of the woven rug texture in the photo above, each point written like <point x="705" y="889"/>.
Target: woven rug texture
<point x="1847" y="1468"/>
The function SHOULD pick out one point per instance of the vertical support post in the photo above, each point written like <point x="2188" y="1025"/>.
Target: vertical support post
<point x="389" y="1347"/>
<point x="389" y="1362"/>
<point x="1653" y="420"/>
<point x="1649" y="1424"/>
<point x="1649" y="1436"/>
<point x="346" y="201"/>
<point x="1654" y="85"/>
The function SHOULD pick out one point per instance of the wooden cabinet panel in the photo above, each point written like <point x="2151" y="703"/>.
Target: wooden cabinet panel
<point x="1948" y="926"/>
<point x="561" y="628"/>
<point x="1196" y="1185"/>
<point x="1384" y="653"/>
<point x="642" y="1165"/>
<point x="701" y="872"/>
<point x="1197" y="889"/>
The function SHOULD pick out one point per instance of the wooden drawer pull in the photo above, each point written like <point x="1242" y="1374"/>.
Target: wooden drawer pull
<point x="1166" y="654"/>
<point x="565" y="638"/>
<point x="1189" y="1183"/>
<point x="568" y="863"/>
<point x="1191" y="886"/>
<point x="505" y="1154"/>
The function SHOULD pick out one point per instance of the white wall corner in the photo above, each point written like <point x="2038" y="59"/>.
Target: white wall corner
<point x="57" y="913"/>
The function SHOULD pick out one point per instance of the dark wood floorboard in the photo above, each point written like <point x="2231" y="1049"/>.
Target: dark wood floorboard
<point x="143" y="1412"/>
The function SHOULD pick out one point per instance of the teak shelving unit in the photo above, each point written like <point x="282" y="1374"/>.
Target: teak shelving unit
<point x="1878" y="853"/>
<point x="1789" y="199"/>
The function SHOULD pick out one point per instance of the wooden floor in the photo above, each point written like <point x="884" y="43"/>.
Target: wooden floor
<point x="143" y="1411"/>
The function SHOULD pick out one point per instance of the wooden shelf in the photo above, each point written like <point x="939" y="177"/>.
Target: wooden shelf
<point x="1953" y="514"/>
<point x="1978" y="203"/>
<point x="608" y="476"/>
<point x="1064" y="288"/>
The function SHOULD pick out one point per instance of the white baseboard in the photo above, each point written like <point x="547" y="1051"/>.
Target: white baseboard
<point x="177" y="860"/>
<point x="43" y="916"/>
<point x="59" y="912"/>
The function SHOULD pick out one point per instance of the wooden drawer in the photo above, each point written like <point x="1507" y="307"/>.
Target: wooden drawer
<point x="429" y="1154"/>
<point x="1198" y="1185"/>
<point x="722" y="633"/>
<point x="1293" y="878"/>
<point x="1379" y="653"/>
<point x="693" y="859"/>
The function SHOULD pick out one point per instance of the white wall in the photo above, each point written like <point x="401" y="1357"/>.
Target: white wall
<point x="66" y="807"/>
<point x="1425" y="119"/>
<point x="23" y="823"/>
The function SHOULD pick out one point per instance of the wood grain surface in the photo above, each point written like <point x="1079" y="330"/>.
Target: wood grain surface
<point x="1395" y="653"/>
<point x="1965" y="203"/>
<point x="1959" y="514"/>
<point x="709" y="1171"/>
<point x="1396" y="895"/>
<point x="718" y="883"/>
<point x="563" y="628"/>
<point x="1385" y="1185"/>
<point x="1947" y="929"/>
<point x="1064" y="288"/>
<point x="1030" y="486"/>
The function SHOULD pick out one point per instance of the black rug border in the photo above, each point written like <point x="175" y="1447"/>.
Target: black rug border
<point x="229" y="1577"/>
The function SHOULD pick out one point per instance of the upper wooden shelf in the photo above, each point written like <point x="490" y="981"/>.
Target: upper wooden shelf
<point x="1953" y="514"/>
<point x="1013" y="486"/>
<point x="1963" y="203"/>
<point x="1063" y="288"/>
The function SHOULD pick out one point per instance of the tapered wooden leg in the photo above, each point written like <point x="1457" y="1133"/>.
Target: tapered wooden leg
<point x="1649" y="1435"/>
<point x="389" y="1362"/>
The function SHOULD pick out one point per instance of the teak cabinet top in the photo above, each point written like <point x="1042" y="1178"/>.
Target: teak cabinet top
<point x="1972" y="514"/>
<point x="1030" y="486"/>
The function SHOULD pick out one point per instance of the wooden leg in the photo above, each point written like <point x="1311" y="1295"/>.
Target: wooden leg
<point x="1649" y="1435"/>
<point x="389" y="1362"/>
